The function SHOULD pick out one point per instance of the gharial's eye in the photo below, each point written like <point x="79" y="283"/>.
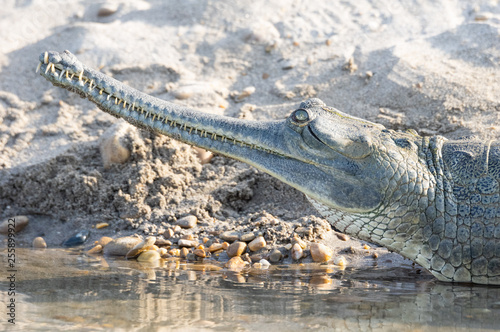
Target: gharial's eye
<point x="300" y="116"/>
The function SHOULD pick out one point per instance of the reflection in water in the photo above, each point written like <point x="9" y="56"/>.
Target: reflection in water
<point x="58" y="290"/>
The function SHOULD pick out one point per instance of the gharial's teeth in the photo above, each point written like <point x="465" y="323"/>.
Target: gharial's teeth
<point x="61" y="75"/>
<point x="47" y="68"/>
<point x="52" y="68"/>
<point x="80" y="76"/>
<point x="46" y="57"/>
<point x="38" y="67"/>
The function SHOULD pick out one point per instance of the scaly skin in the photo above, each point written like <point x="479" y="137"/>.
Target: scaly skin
<point x="433" y="201"/>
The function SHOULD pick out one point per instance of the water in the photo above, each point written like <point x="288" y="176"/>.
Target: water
<point x="59" y="290"/>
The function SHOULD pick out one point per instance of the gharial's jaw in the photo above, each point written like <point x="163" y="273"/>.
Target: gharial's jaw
<point x="271" y="146"/>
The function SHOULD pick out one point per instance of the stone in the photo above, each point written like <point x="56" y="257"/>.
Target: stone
<point x="215" y="247"/>
<point x="275" y="256"/>
<point x="95" y="250"/>
<point x="236" y="249"/>
<point x="321" y="253"/>
<point x="230" y="236"/>
<point x="340" y="260"/>
<point x="200" y="253"/>
<point x="235" y="263"/>
<point x="257" y="244"/>
<point x="203" y="155"/>
<point x="39" y="243"/>
<point x="77" y="239"/>
<point x="141" y="246"/>
<point x="168" y="233"/>
<point x="188" y="221"/>
<point x="162" y="242"/>
<point x="297" y="252"/>
<point x="121" y="246"/>
<point x="264" y="263"/>
<point x="17" y="223"/>
<point x="101" y="225"/>
<point x="187" y="243"/>
<point x="247" y="237"/>
<point x="149" y="256"/>
<point x="342" y="236"/>
<point x="114" y="145"/>
<point x="162" y="251"/>
<point x="103" y="241"/>
<point x="184" y="252"/>
<point x="299" y="241"/>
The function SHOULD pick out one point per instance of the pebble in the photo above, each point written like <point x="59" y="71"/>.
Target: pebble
<point x="162" y="251"/>
<point x="39" y="243"/>
<point x="342" y="236"/>
<point x="168" y="233"/>
<point x="236" y="249"/>
<point x="161" y="242"/>
<point x="288" y="64"/>
<point x="246" y="258"/>
<point x="235" y="263"/>
<point x="288" y="246"/>
<point x="225" y="245"/>
<point x="77" y="239"/>
<point x="200" y="253"/>
<point x="103" y="241"/>
<point x="184" y="252"/>
<point x="121" y="246"/>
<point x="19" y="223"/>
<point x="149" y="256"/>
<point x="230" y="236"/>
<point x="215" y="247"/>
<point x="141" y="246"/>
<point x="95" y="250"/>
<point x="297" y="252"/>
<point x="303" y="230"/>
<point x="340" y="260"/>
<point x="112" y="144"/>
<point x="174" y="252"/>
<point x="247" y="237"/>
<point x="321" y="253"/>
<point x="187" y="237"/>
<point x="275" y="256"/>
<point x="265" y="264"/>
<point x="101" y="225"/>
<point x="187" y="243"/>
<point x="107" y="10"/>
<point x="257" y="244"/>
<point x="248" y="91"/>
<point x="187" y="222"/>
<point x="299" y="241"/>
<point x="262" y="32"/>
<point x="256" y="257"/>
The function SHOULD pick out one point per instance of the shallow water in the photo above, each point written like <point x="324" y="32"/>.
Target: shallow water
<point x="64" y="290"/>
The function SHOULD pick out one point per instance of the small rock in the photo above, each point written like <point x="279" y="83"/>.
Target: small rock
<point x="340" y="260"/>
<point x="303" y="230"/>
<point x="230" y="236"/>
<point x="321" y="253"/>
<point x="187" y="243"/>
<point x="262" y="32"/>
<point x="175" y="252"/>
<point x="235" y="263"/>
<point x="162" y="251"/>
<point x="299" y="241"/>
<point x="246" y="258"/>
<point x="203" y="155"/>
<point x="288" y="64"/>
<point x="297" y="252"/>
<point x="95" y="250"/>
<point x="17" y="223"/>
<point x="149" y="256"/>
<point x="121" y="246"/>
<point x="103" y="241"/>
<point x="187" y="237"/>
<point x="215" y="247"/>
<point x="288" y="246"/>
<point x="161" y="242"/>
<point x="184" y="252"/>
<point x="264" y="263"/>
<point x="77" y="239"/>
<point x="256" y="257"/>
<point x="168" y="233"/>
<point x="275" y="256"/>
<point x="101" y="225"/>
<point x="342" y="236"/>
<point x="225" y="245"/>
<point x="191" y="257"/>
<point x="107" y="10"/>
<point x="350" y="66"/>
<point x="248" y="91"/>
<point x="187" y="222"/>
<point x="177" y="229"/>
<point x="236" y="249"/>
<point x="247" y="237"/>
<point x="39" y="243"/>
<point x="141" y="246"/>
<point x="257" y="244"/>
<point x="114" y="144"/>
<point x="200" y="253"/>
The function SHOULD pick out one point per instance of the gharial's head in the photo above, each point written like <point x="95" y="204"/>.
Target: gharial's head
<point x="347" y="163"/>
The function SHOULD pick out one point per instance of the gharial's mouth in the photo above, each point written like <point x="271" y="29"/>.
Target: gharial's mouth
<point x="87" y="86"/>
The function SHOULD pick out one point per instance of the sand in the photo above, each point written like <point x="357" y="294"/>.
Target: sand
<point x="432" y="66"/>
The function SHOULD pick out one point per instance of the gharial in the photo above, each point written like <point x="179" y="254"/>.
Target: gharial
<point x="432" y="200"/>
